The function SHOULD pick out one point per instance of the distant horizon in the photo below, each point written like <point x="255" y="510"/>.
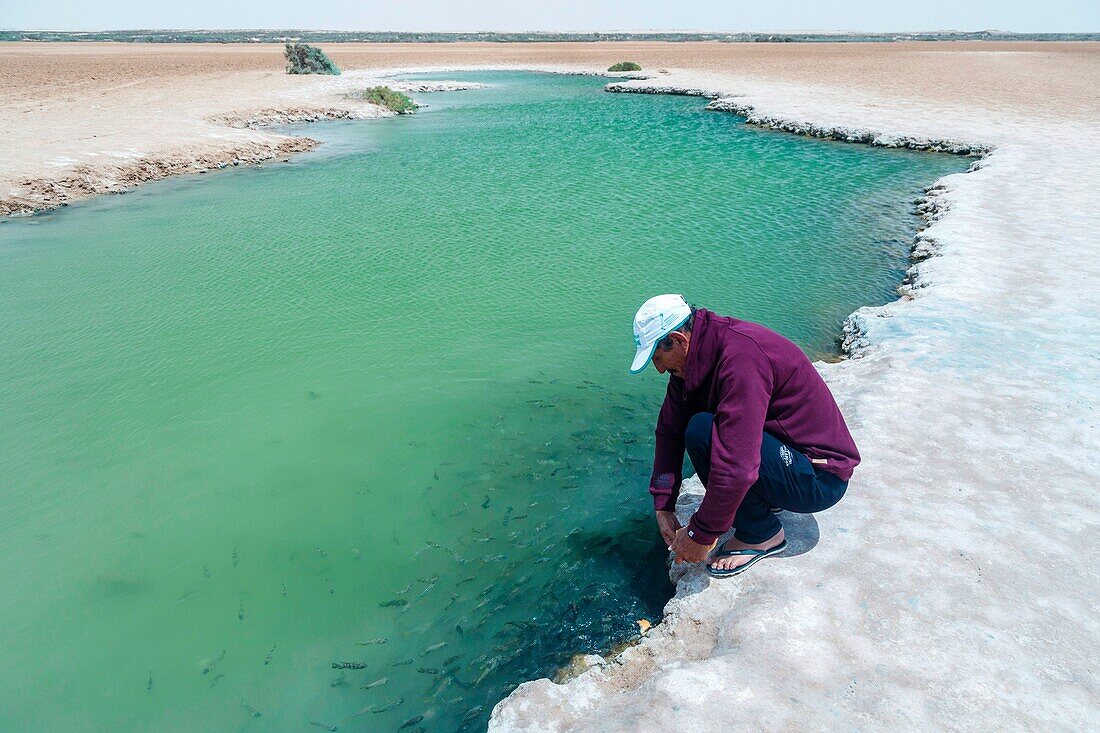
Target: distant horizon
<point x="564" y="16"/>
<point x="694" y="31"/>
<point x="602" y="31"/>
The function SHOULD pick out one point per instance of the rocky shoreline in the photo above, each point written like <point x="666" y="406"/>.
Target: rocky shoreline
<point x="723" y="103"/>
<point x="75" y="183"/>
<point x="84" y="181"/>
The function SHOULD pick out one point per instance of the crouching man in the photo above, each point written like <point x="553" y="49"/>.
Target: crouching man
<point x="760" y="426"/>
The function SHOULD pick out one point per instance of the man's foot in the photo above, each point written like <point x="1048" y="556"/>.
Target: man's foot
<point x="732" y="562"/>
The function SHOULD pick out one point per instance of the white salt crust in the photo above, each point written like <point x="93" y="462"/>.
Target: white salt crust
<point x="955" y="587"/>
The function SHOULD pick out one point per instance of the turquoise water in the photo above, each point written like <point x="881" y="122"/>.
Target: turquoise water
<point x="257" y="422"/>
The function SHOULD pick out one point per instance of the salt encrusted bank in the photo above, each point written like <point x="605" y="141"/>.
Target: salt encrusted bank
<point x="954" y="587"/>
<point x="320" y="98"/>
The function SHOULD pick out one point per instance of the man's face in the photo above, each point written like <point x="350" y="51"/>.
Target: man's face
<point x="674" y="359"/>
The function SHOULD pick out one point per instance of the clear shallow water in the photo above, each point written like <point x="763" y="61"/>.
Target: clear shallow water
<point x="253" y="419"/>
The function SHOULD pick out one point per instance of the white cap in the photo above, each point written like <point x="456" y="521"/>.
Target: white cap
<point x="658" y="317"/>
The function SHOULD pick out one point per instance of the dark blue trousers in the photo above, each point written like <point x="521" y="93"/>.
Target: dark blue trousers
<point x="787" y="480"/>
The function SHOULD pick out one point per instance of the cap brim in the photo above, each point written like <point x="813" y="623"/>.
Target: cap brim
<point x="641" y="359"/>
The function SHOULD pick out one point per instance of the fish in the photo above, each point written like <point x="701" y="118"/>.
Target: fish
<point x="437" y="687"/>
<point x="349" y="665"/>
<point x="251" y="710"/>
<point x="402" y="663"/>
<point x="284" y="590"/>
<point x="466" y="580"/>
<point x="321" y="552"/>
<point x="206" y="571"/>
<point x="454" y="597"/>
<point x="209" y="664"/>
<point x="398" y="602"/>
<point x="314" y="395"/>
<point x="373" y="642"/>
<point x="452" y="660"/>
<point x="458" y="628"/>
<point x="519" y="516"/>
<point x="406" y="589"/>
<point x="267" y="659"/>
<point x="377" y="683"/>
<point x="471" y="714"/>
<point x="389" y="706"/>
<point x="487" y="591"/>
<point x="433" y="648"/>
<point x="426" y="591"/>
<point x="216" y="679"/>
<point x="485" y="504"/>
<point x="427" y="670"/>
<point x="149" y="687"/>
<point x="189" y="594"/>
<point x="324" y="726"/>
<point x="236" y="557"/>
<point x="240" y="612"/>
<point x="331" y="590"/>
<point x="493" y="558"/>
<point x="430" y="580"/>
<point x="411" y="722"/>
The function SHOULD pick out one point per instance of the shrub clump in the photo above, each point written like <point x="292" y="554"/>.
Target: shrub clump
<point x="625" y="66"/>
<point x="388" y="98"/>
<point x="305" y="59"/>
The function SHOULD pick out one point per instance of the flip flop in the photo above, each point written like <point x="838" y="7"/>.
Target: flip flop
<point x="756" y="555"/>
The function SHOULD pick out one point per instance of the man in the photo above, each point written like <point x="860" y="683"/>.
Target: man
<point x="758" y="422"/>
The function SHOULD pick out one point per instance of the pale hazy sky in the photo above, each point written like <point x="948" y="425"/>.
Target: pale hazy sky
<point x="547" y="15"/>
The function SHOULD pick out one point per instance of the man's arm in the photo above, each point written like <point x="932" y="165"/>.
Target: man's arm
<point x="745" y="382"/>
<point x="668" y="452"/>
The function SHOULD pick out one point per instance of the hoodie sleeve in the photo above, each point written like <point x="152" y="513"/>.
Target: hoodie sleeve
<point x="668" y="454"/>
<point x="744" y="383"/>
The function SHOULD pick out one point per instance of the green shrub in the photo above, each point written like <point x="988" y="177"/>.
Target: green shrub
<point x="625" y="66"/>
<point x="304" y="59"/>
<point x="387" y="98"/>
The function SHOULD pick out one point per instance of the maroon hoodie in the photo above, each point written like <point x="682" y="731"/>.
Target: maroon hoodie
<point x="753" y="380"/>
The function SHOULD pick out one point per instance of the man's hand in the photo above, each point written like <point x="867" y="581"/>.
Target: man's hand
<point x="687" y="549"/>
<point x="668" y="524"/>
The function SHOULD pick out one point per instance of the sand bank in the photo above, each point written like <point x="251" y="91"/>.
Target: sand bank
<point x="954" y="588"/>
<point x="86" y="118"/>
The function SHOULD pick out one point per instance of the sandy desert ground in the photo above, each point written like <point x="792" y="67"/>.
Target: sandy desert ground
<point x="86" y="118"/>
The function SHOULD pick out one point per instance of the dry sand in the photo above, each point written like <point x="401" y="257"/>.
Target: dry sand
<point x="85" y="118"/>
<point x="955" y="587"/>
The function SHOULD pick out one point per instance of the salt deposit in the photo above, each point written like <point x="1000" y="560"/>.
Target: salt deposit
<point x="954" y="587"/>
